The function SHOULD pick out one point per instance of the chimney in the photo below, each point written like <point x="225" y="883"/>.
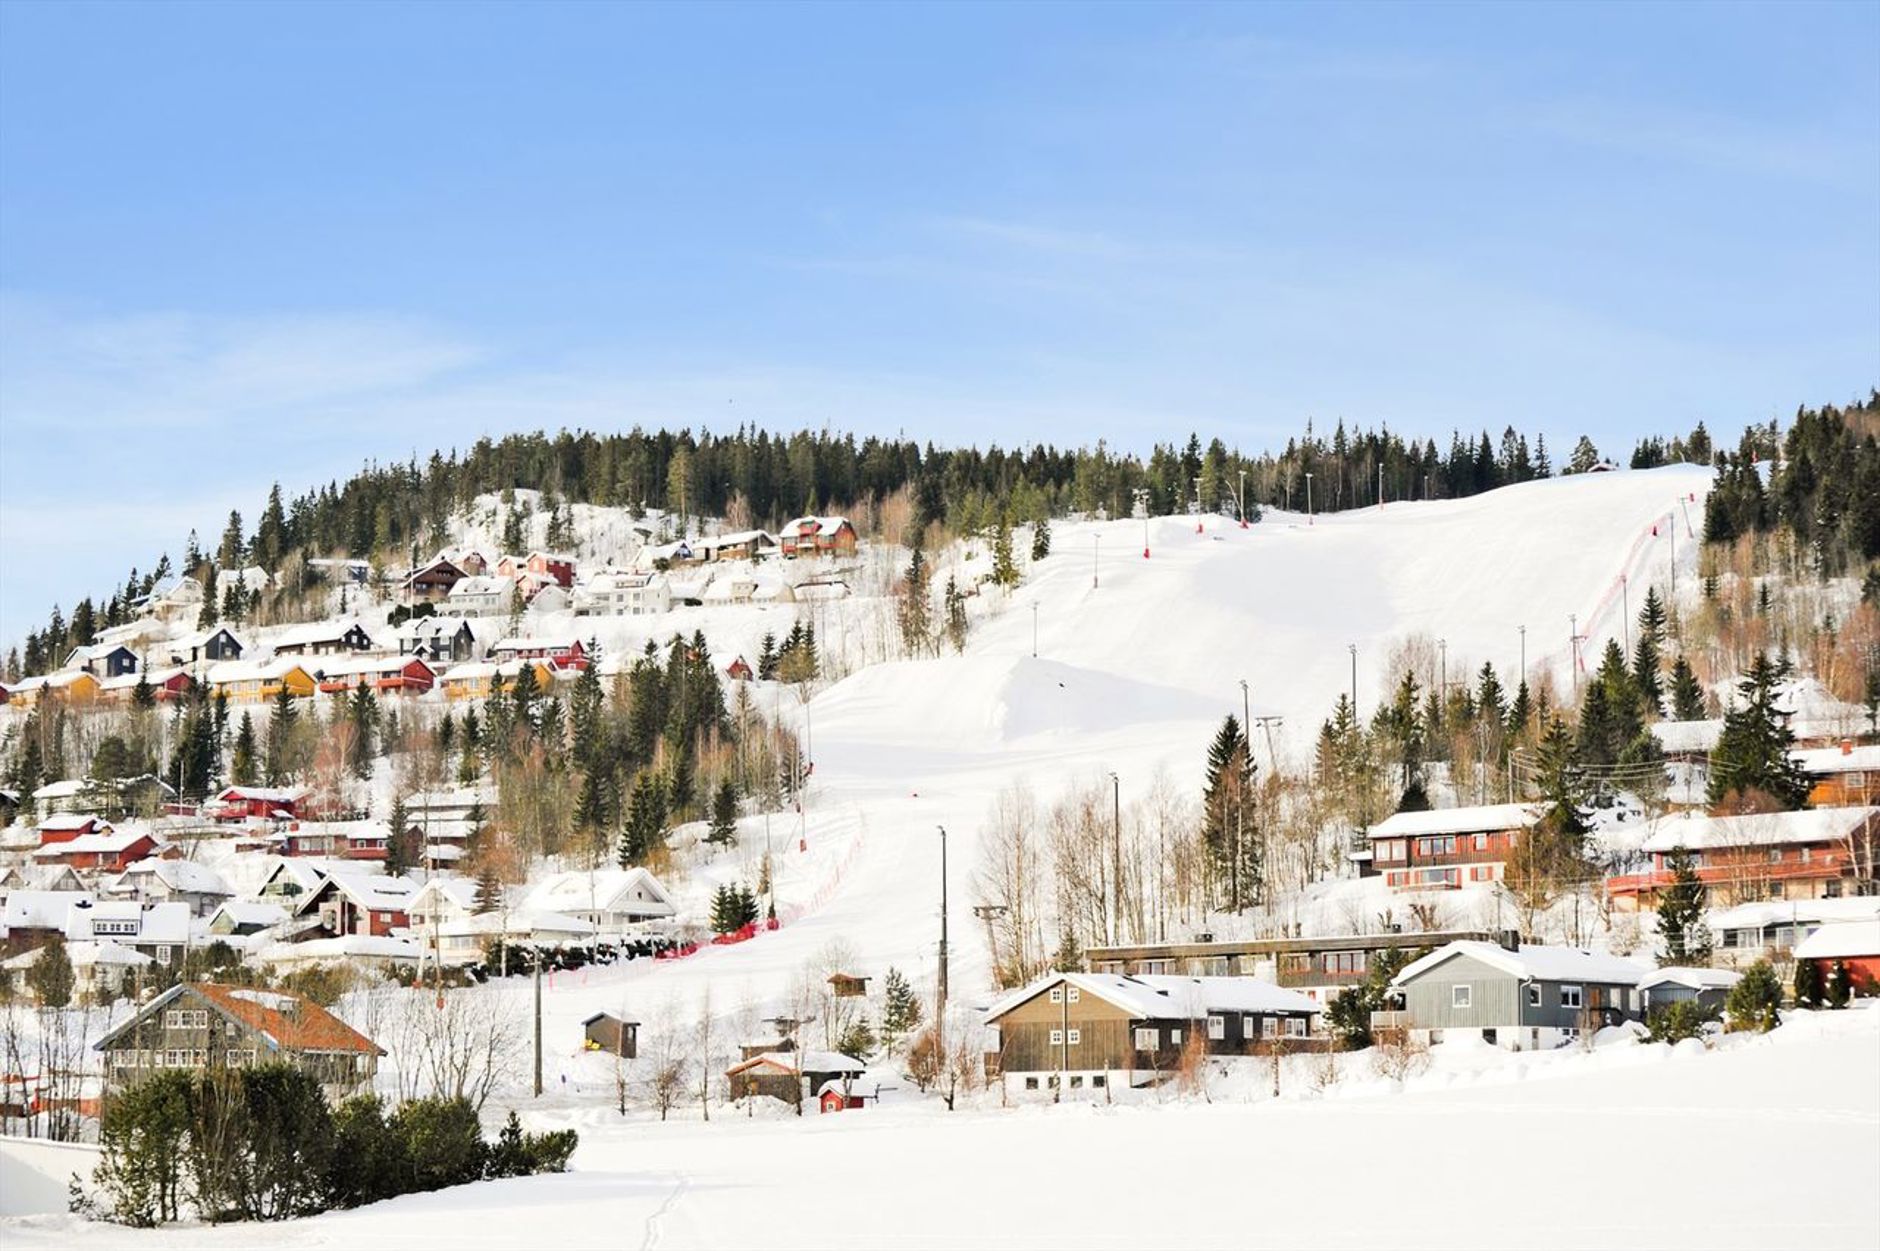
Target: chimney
<point x="1511" y="940"/>
<point x="1847" y="747"/>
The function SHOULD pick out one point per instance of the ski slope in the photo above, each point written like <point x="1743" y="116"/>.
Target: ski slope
<point x="1132" y="676"/>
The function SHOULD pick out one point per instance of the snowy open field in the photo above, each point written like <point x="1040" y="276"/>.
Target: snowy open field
<point x="1764" y="1142"/>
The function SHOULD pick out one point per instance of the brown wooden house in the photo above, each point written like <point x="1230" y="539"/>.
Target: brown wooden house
<point x="203" y="1025"/>
<point x="606" y="1032"/>
<point x="791" y="1076"/>
<point x="1091" y="1031"/>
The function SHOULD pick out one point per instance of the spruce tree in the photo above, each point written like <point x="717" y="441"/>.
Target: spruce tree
<point x="900" y="1010"/>
<point x="767" y="657"/>
<point x="1647" y="680"/>
<point x="1753" y="751"/>
<point x="724" y="826"/>
<point x="1681" y="913"/>
<point x="1687" y="697"/>
<point x="1041" y="539"/>
<point x="1755" y="1002"/>
<point x="489" y="896"/>
<point x="1004" y="567"/>
<point x="955" y="614"/>
<point x="1228" y="829"/>
<point x="916" y="613"/>
<point x="362" y="713"/>
<point x="242" y="761"/>
<point x="1809" y="990"/>
<point x="143" y="697"/>
<point x="50" y="977"/>
<point x="283" y="719"/>
<point x="1839" y="987"/>
<point x="398" y="846"/>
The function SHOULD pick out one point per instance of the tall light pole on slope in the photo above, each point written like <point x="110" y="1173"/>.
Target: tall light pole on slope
<point x="940" y="1014"/>
<point x="1116" y="857"/>
<point x="1308" y="499"/>
<point x="1353" y="649"/>
<point x="1240" y="501"/>
<point x="1096" y="541"/>
<point x="1034" y="629"/>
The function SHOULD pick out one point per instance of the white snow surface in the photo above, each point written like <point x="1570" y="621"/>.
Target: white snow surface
<point x="1520" y="1130"/>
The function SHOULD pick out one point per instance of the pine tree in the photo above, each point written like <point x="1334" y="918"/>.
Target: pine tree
<point x="1647" y="655"/>
<point x="767" y="658"/>
<point x="489" y="889"/>
<point x="398" y="845"/>
<point x="1681" y="913"/>
<point x="900" y="1010"/>
<point x="242" y="763"/>
<point x="362" y="713"/>
<point x="1229" y="830"/>
<point x="1687" y="697"/>
<point x="1839" y="987"/>
<point x="1753" y="751"/>
<point x="1004" y="568"/>
<point x="1810" y="992"/>
<point x="283" y="719"/>
<point x="1755" y="1002"/>
<point x="1041" y="539"/>
<point x="50" y="977"/>
<point x="143" y="697"/>
<point x="724" y="826"/>
<point x="955" y="615"/>
<point x="916" y="624"/>
<point x="1584" y="457"/>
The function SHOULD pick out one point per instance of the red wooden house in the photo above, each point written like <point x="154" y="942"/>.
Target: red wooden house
<point x="1446" y="848"/>
<point x="242" y="803"/>
<point x="738" y="670"/>
<point x="559" y="568"/>
<point x="817" y="536"/>
<point x="63" y="827"/>
<point x="1817" y="853"/>
<point x="1854" y="945"/>
<point x="561" y="653"/>
<point x="384" y="675"/>
<point x="109" y="850"/>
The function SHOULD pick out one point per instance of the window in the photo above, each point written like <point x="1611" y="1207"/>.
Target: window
<point x="1075" y="1037"/>
<point x="124" y="1059"/>
<point x="1057" y="994"/>
<point x="239" y="1057"/>
<point x="1145" y="1039"/>
<point x="1481" y="842"/>
<point x="1461" y="996"/>
<point x="1217" y="1027"/>
<point x="1073" y="995"/>
<point x="1100" y="1081"/>
<point x="1175" y="1038"/>
<point x="1295" y="1027"/>
<point x="1057" y="1038"/>
<point x="1533" y="995"/>
<point x="1570" y="1033"/>
<point x="1077" y="1082"/>
<point x="1052" y="1081"/>
<point x="1295" y="962"/>
<point x="1344" y="961"/>
<point x="1775" y="855"/>
<point x="1570" y="996"/>
<point x="1269" y="1027"/>
<point x="1247" y="1026"/>
<point x="185" y="1018"/>
<point x="1031" y="1083"/>
<point x="163" y="955"/>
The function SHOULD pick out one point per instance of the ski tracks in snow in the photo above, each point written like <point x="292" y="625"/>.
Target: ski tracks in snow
<point x="654" y="1229"/>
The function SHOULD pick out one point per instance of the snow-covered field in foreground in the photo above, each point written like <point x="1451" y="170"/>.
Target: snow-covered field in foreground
<point x="1765" y="1142"/>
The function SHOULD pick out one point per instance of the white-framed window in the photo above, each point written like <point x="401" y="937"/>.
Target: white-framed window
<point x="185" y="1018"/>
<point x="1072" y="995"/>
<point x="1533" y="995"/>
<point x="1570" y="997"/>
<point x="1570" y="1033"/>
<point x="1247" y="1026"/>
<point x="1077" y="1081"/>
<point x="1175" y="1038"/>
<point x="1269" y="1027"/>
<point x="163" y="955"/>
<point x="1074" y="1037"/>
<point x="124" y="1059"/>
<point x="1461" y="996"/>
<point x="1057" y="1038"/>
<point x="1057" y="994"/>
<point x="1145" y="1039"/>
<point x="1217" y="1027"/>
<point x="1295" y="1027"/>
<point x="1481" y="842"/>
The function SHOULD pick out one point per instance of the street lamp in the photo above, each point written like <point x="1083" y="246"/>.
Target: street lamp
<point x="1308" y="499"/>
<point x="1116" y="857"/>
<point x="1096" y="541"/>
<point x="1353" y="649"/>
<point x="940" y="1017"/>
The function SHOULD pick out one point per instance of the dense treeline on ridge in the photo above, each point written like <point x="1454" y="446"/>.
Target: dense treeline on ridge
<point x="1823" y="489"/>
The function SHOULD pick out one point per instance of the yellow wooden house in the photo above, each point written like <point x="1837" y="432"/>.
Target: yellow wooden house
<point x="257" y="682"/>
<point x="481" y="679"/>
<point x="74" y="686"/>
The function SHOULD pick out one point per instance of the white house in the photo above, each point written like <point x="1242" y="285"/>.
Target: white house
<point x="155" y="880"/>
<point x="160" y="931"/>
<point x="100" y="969"/>
<point x="622" y="594"/>
<point x="482" y="596"/>
<point x="608" y="899"/>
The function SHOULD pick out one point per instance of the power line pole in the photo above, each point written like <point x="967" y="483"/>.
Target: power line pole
<point x="1116" y="857"/>
<point x="940" y="1016"/>
<point x="1353" y="649"/>
<point x="538" y="1022"/>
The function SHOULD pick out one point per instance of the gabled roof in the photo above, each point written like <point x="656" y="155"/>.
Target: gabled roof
<point x="1826" y="761"/>
<point x="1480" y="818"/>
<point x="254" y="670"/>
<point x="178" y="875"/>
<point x="604" y="890"/>
<point x="250" y="912"/>
<point x="158" y="923"/>
<point x="1762" y="829"/>
<point x="40" y="909"/>
<point x="61" y="821"/>
<point x="821" y="525"/>
<point x="263" y="794"/>
<point x="1764" y="913"/>
<point x="1841" y="940"/>
<point x="104" y="842"/>
<point x="289" y="1022"/>
<point x="1534" y="961"/>
<point x="1159" y="997"/>
<point x="375" y="892"/>
<point x="1688" y="736"/>
<point x="801" y="1061"/>
<point x="1693" y="979"/>
<point x="482" y="584"/>
<point x="312" y="632"/>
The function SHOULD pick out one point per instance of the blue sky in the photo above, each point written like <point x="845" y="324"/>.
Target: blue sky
<point x="247" y="242"/>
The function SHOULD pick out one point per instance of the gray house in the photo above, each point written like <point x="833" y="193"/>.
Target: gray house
<point x="1516" y="995"/>
<point x="1708" y="987"/>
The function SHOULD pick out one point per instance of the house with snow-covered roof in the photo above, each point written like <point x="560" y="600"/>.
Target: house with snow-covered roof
<point x="1814" y="853"/>
<point x="1854" y="946"/>
<point x="240" y="918"/>
<point x="257" y="682"/>
<point x="622" y="593"/>
<point x="1707" y="988"/>
<point x="737" y="545"/>
<point x="563" y="651"/>
<point x="817" y="536"/>
<point x="1446" y="848"/>
<point x="608" y="899"/>
<point x="206" y="647"/>
<point x="324" y="638"/>
<point x="202" y="1025"/>
<point x="102" y="660"/>
<point x="436" y="640"/>
<point x="108" y="849"/>
<point x="1771" y="929"/>
<point x="482" y="596"/>
<point x="72" y="686"/>
<point x="1068" y="1032"/>
<point x="157" y="880"/>
<point x="1520" y="996"/>
<point x="382" y="675"/>
<point x="1845" y="775"/>
<point x="160" y="931"/>
<point x="372" y="905"/>
<point x="100" y="970"/>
